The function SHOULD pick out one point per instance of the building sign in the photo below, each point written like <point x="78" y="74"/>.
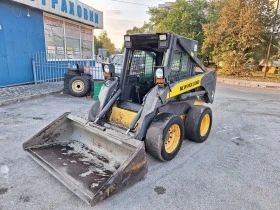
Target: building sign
<point x="72" y="9"/>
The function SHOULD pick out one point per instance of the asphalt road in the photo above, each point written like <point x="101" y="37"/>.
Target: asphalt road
<point x="238" y="167"/>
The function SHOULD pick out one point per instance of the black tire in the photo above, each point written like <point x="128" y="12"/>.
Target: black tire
<point x="157" y="134"/>
<point x="66" y="91"/>
<point x="70" y="74"/>
<point x="72" y="69"/>
<point x="80" y="68"/>
<point x="193" y="122"/>
<point x="79" y="86"/>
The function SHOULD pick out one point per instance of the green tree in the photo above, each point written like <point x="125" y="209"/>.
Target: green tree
<point x="106" y="42"/>
<point x="97" y="45"/>
<point x="146" y="28"/>
<point x="157" y="15"/>
<point x="184" y="18"/>
<point x="238" y="33"/>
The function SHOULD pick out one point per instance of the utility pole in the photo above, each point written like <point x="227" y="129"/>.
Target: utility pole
<point x="270" y="40"/>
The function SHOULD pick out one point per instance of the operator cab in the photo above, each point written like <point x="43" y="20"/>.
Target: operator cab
<point x="152" y="59"/>
<point x="143" y="53"/>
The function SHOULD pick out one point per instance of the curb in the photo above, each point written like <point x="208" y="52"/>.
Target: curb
<point x="246" y="83"/>
<point x="26" y="98"/>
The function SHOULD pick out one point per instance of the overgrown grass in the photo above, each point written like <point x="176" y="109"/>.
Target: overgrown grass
<point x="253" y="76"/>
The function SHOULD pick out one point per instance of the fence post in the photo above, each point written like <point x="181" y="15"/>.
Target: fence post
<point x="34" y="71"/>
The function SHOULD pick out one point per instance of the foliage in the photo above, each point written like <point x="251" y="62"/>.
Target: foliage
<point x="97" y="45"/>
<point x="106" y="43"/>
<point x="239" y="33"/>
<point x="184" y="18"/>
<point x="234" y="33"/>
<point x="146" y="28"/>
<point x="157" y="15"/>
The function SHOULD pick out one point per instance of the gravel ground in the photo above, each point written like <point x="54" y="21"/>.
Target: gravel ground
<point x="21" y="91"/>
<point x="238" y="167"/>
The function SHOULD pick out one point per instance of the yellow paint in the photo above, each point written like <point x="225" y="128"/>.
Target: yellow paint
<point x="173" y="138"/>
<point x="122" y="117"/>
<point x="205" y="125"/>
<point x="199" y="103"/>
<point x="185" y="86"/>
<point x="183" y="117"/>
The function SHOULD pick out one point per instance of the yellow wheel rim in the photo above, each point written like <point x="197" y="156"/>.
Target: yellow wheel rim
<point x="78" y="86"/>
<point x="205" y="125"/>
<point x="173" y="138"/>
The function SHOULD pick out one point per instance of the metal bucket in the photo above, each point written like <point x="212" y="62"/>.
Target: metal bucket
<point x="93" y="163"/>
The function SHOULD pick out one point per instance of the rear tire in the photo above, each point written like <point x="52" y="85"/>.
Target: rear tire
<point x="198" y="123"/>
<point x="79" y="86"/>
<point x="164" y="136"/>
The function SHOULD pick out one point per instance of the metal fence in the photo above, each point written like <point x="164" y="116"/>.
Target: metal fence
<point x="49" y="68"/>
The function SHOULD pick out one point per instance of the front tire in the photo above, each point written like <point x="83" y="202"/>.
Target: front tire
<point x="164" y="136"/>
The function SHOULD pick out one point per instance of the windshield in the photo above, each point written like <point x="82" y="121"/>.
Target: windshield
<point x="117" y="60"/>
<point x="141" y="64"/>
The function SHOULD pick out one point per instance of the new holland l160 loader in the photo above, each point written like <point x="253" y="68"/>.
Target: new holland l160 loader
<point x="156" y="102"/>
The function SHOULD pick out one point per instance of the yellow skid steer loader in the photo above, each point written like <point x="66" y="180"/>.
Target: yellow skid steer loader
<point x="156" y="101"/>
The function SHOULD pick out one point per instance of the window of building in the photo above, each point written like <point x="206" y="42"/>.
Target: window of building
<point x="72" y="38"/>
<point x="66" y="39"/>
<point x="54" y="37"/>
<point x="86" y="39"/>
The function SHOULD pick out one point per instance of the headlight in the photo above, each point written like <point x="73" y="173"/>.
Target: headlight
<point x="106" y="69"/>
<point x="162" y="37"/>
<point x="159" y="73"/>
<point x="127" y="38"/>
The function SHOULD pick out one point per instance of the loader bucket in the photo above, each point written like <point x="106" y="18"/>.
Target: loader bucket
<point x="93" y="163"/>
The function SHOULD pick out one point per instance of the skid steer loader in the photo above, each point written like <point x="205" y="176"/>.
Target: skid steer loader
<point x="156" y="101"/>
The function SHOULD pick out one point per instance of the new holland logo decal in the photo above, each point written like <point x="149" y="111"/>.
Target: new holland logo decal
<point x="187" y="86"/>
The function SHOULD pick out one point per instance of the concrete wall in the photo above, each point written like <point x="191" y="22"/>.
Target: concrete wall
<point x="20" y="38"/>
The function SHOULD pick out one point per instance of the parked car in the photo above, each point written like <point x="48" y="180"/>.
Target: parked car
<point x="117" y="60"/>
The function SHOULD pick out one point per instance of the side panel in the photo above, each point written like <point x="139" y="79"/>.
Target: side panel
<point x="209" y="84"/>
<point x="4" y="71"/>
<point x="152" y="103"/>
<point x="106" y="92"/>
<point x="185" y="85"/>
<point x="206" y="80"/>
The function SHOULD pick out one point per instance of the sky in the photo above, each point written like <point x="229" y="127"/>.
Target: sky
<point x="119" y="16"/>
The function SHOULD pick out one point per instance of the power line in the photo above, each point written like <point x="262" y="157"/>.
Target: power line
<point x="128" y="2"/>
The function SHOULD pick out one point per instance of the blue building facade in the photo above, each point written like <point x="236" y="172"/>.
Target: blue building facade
<point x="24" y="32"/>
